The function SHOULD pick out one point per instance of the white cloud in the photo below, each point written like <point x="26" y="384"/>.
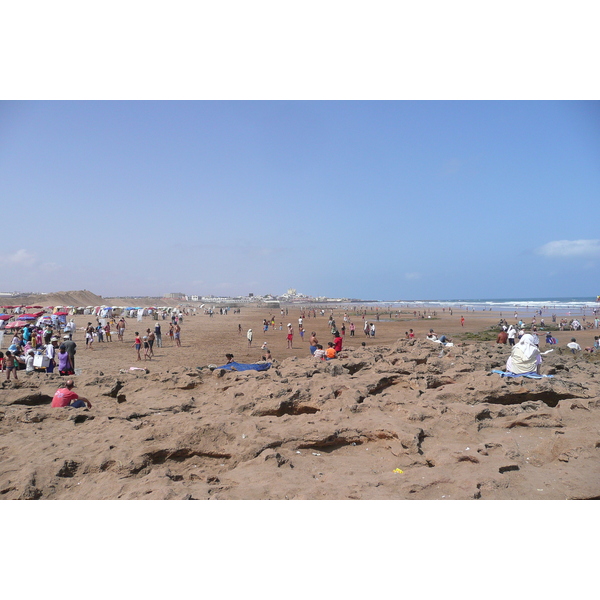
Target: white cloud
<point x="570" y="249"/>
<point x="20" y="258"/>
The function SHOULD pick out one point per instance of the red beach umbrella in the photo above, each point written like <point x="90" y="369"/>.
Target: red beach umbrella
<point x="16" y="324"/>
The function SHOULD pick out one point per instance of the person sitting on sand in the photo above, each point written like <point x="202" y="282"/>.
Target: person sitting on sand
<point x="65" y="396"/>
<point x="574" y="346"/>
<point x="330" y="353"/>
<point x="319" y="352"/>
<point x="434" y="337"/>
<point x="29" y="368"/>
<point x="229" y="358"/>
<point x="549" y="338"/>
<point x="337" y="342"/>
<point x="525" y="357"/>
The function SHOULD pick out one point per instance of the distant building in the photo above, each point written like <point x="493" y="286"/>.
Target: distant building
<point x="176" y="296"/>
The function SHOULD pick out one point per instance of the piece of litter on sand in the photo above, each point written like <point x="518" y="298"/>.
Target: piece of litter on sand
<point x="397" y="471"/>
<point x="316" y="454"/>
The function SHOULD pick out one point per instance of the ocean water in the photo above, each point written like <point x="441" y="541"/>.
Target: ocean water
<point x="522" y="306"/>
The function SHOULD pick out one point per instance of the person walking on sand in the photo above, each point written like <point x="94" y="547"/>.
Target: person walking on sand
<point x="177" y="334"/>
<point x="462" y="321"/>
<point x="249" y="336"/>
<point x="147" y="355"/>
<point x="171" y="332"/>
<point x="151" y="337"/>
<point x="89" y="337"/>
<point x="137" y="344"/>
<point x="290" y="335"/>
<point x="121" y="329"/>
<point x="158" y="334"/>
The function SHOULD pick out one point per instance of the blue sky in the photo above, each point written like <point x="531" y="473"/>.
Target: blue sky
<point x="381" y="200"/>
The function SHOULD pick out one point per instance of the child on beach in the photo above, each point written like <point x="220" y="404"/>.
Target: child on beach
<point x="138" y="344"/>
<point x="330" y="353"/>
<point x="10" y="365"/>
<point x="147" y="355"/>
<point x="319" y="352"/>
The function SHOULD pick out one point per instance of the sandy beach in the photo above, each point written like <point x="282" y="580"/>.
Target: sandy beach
<point x="395" y="419"/>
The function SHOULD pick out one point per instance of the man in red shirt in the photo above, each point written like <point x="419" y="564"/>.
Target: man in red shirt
<point x="67" y="397"/>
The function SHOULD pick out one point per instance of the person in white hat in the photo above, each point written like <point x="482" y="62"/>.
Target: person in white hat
<point x="51" y="354"/>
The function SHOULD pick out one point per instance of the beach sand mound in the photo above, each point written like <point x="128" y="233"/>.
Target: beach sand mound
<point x="402" y="421"/>
<point x="73" y="298"/>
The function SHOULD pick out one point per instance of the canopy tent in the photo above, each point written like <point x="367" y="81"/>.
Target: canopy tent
<point x="53" y="320"/>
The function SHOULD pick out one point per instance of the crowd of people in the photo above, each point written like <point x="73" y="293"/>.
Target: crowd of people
<point x="58" y="348"/>
<point x="53" y="343"/>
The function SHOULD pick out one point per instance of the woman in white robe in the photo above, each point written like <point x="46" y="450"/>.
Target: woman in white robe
<point x="525" y="356"/>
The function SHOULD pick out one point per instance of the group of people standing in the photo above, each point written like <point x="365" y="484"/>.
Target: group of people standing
<point x="21" y="355"/>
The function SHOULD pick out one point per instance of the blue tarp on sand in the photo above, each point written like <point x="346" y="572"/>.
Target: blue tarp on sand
<point x="531" y="374"/>
<point x="235" y="366"/>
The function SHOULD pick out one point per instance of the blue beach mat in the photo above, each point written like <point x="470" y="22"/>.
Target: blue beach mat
<point x="531" y="374"/>
<point x="235" y="366"/>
